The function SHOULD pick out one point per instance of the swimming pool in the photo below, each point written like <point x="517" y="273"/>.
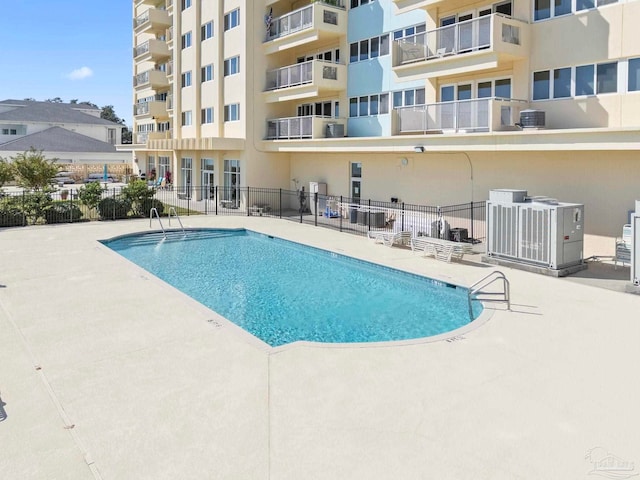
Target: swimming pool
<point x="282" y="292"/>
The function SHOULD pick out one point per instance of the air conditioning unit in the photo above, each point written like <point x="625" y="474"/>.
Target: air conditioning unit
<point x="335" y="130"/>
<point x="539" y="231"/>
<point x="532" y="119"/>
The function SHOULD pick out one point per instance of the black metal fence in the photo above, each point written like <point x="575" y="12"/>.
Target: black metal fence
<point x="464" y="222"/>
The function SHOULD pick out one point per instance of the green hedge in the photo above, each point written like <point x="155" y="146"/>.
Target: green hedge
<point x="63" y="212"/>
<point x="111" y="208"/>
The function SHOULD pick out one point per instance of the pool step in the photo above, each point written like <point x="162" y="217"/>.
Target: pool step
<point x="176" y="235"/>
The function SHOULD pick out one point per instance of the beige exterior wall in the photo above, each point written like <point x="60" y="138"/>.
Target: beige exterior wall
<point x="599" y="179"/>
<point x="599" y="167"/>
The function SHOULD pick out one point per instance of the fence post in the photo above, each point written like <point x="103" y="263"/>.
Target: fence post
<point x="402" y="221"/>
<point x="341" y="207"/>
<point x="114" y="203"/>
<point x="216" y="193"/>
<point x="315" y="209"/>
<point x="280" y="209"/>
<point x="369" y="217"/>
<point x="472" y="221"/>
<point x="248" y="200"/>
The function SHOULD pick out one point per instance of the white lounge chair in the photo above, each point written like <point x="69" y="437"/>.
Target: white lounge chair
<point x="444" y="250"/>
<point x="390" y="238"/>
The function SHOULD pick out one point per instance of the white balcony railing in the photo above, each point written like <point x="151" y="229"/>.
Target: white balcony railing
<point x="299" y="74"/>
<point x="310" y="126"/>
<point x="479" y="115"/>
<point x="301" y="19"/>
<point x="141" y="49"/>
<point x="463" y="37"/>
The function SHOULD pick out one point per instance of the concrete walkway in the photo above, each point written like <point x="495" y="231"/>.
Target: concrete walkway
<point x="108" y="373"/>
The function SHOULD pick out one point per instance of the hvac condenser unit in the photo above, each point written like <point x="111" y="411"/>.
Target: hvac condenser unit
<point x="535" y="230"/>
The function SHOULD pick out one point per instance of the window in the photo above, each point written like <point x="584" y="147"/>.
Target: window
<point x="186" y="118"/>
<point x="607" y="78"/>
<point x="186" y="40"/>
<point x="206" y="31"/>
<point x="206" y="115"/>
<point x="322" y="109"/>
<point x="368" y="105"/>
<point x="584" y="80"/>
<point x="232" y="112"/>
<point x="186" y="4"/>
<point x="409" y="31"/>
<point x="206" y="73"/>
<point x="544" y="9"/>
<point x="369" y="48"/>
<point x="405" y="98"/>
<point x="357" y="3"/>
<point x="186" y="79"/>
<point x="562" y="83"/>
<point x="502" y="88"/>
<point x="232" y="19"/>
<point x="633" y="84"/>
<point x="231" y="66"/>
<point x="541" y="85"/>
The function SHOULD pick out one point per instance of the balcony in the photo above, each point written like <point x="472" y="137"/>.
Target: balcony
<point x="169" y="103"/>
<point x="404" y="6"/>
<point x="154" y="21"/>
<point x="303" y="80"/>
<point x="142" y="138"/>
<point x="475" y="45"/>
<point x="324" y="20"/>
<point x="156" y="109"/>
<point x="149" y="2"/>
<point x="464" y="116"/>
<point x="155" y="79"/>
<point x="301" y="127"/>
<point x="151" y="50"/>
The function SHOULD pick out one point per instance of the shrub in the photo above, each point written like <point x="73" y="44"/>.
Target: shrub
<point x="150" y="203"/>
<point x="63" y="212"/>
<point x="113" y="208"/>
<point x="35" y="204"/>
<point x="91" y="194"/>
<point x="11" y="214"/>
<point x="138" y="193"/>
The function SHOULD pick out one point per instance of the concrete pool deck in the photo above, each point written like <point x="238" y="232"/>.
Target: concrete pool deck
<point x="108" y="373"/>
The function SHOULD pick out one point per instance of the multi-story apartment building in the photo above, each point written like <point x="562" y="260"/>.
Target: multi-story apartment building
<point x="429" y="101"/>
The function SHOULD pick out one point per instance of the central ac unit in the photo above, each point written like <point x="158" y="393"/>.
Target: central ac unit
<point x="539" y="231"/>
<point x="532" y="119"/>
<point x="335" y="130"/>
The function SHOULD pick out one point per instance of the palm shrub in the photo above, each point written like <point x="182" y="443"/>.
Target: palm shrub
<point x="34" y="204"/>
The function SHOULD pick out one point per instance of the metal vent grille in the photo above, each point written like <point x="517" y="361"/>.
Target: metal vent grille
<point x="535" y="225"/>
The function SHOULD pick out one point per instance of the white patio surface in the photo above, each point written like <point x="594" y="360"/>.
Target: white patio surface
<point x="108" y="373"/>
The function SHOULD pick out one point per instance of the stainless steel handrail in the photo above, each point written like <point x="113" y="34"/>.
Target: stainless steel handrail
<point x="476" y="289"/>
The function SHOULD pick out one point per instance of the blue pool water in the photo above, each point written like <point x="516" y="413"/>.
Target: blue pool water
<point x="283" y="292"/>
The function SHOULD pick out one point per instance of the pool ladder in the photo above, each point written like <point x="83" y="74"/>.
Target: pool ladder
<point x="154" y="210"/>
<point x="476" y="291"/>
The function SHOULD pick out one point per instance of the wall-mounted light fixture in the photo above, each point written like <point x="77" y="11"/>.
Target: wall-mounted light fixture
<point x="404" y="161"/>
<point x="418" y="149"/>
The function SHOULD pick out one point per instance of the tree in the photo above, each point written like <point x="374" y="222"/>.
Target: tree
<point x="91" y="194"/>
<point x="33" y="170"/>
<point x="6" y="172"/>
<point x="108" y="113"/>
<point x="54" y="100"/>
<point x="127" y="135"/>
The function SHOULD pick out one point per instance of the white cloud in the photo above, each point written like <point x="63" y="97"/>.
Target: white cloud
<point x="80" y="73"/>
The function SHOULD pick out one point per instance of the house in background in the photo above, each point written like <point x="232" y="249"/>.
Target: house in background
<point x="73" y="133"/>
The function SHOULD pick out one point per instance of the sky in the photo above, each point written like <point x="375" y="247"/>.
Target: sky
<point x="72" y="49"/>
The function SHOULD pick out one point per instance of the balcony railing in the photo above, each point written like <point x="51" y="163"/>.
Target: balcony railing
<point x="156" y="107"/>
<point x="463" y="37"/>
<point x="479" y="115"/>
<point x="155" y="48"/>
<point x="155" y="78"/>
<point x="311" y="126"/>
<point x="169" y="102"/>
<point x="302" y="19"/>
<point x="300" y="74"/>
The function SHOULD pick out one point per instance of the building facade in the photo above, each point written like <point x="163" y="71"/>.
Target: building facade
<point x="428" y="101"/>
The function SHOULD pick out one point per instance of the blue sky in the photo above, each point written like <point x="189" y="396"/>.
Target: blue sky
<point x="68" y="49"/>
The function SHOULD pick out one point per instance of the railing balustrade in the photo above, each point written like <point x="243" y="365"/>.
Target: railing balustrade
<point x="463" y="37"/>
<point x="464" y="115"/>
